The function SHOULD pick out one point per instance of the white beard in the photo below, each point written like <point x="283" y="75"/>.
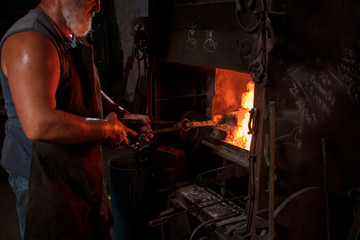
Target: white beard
<point x="76" y="19"/>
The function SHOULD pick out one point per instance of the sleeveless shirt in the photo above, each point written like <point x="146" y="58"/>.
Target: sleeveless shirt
<point x="16" y="151"/>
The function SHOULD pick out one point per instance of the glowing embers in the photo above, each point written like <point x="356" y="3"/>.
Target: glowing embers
<point x="232" y="101"/>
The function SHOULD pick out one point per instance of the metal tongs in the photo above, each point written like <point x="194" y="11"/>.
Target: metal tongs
<point x="184" y="125"/>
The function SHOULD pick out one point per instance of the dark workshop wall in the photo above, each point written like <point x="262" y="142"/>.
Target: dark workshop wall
<point x="20" y="6"/>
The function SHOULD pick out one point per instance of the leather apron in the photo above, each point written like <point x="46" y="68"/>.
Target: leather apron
<point x="67" y="198"/>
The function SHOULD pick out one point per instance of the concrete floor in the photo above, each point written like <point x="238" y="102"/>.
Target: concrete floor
<point x="9" y="228"/>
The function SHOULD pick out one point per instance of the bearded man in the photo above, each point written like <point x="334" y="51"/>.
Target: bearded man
<point x="55" y="128"/>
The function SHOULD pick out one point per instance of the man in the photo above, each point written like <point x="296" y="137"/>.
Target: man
<point x="55" y="108"/>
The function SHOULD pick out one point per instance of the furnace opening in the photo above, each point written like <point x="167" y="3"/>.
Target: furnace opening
<point x="232" y="101"/>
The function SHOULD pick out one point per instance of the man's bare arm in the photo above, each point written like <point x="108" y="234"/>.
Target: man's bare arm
<point x="31" y="63"/>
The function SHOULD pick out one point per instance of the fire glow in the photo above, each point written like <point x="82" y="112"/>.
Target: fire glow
<point x="233" y="99"/>
<point x="240" y="137"/>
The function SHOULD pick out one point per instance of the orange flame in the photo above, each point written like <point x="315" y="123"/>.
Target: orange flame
<point x="240" y="137"/>
<point x="231" y="109"/>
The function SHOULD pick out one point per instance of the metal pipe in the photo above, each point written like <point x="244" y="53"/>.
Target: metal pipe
<point x="272" y="172"/>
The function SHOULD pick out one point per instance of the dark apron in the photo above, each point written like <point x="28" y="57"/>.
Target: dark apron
<point x="67" y="198"/>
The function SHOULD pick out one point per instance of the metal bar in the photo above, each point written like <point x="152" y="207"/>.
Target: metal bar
<point x="141" y="121"/>
<point x="209" y="123"/>
<point x="324" y="165"/>
<point x="272" y="172"/>
<point x="164" y="130"/>
<point x="254" y="117"/>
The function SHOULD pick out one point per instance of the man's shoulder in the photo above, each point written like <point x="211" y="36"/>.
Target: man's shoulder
<point x="29" y="46"/>
<point x="28" y="39"/>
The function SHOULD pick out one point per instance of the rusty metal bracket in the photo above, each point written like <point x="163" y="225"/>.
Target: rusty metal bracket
<point x="253" y="121"/>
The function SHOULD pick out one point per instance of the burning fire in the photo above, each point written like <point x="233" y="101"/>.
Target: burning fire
<point x="233" y="127"/>
<point x="240" y="137"/>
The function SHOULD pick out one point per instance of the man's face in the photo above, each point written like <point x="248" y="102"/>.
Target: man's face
<point x="78" y="15"/>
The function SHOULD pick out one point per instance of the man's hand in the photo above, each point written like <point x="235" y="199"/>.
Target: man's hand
<point x="117" y="133"/>
<point x="145" y="128"/>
